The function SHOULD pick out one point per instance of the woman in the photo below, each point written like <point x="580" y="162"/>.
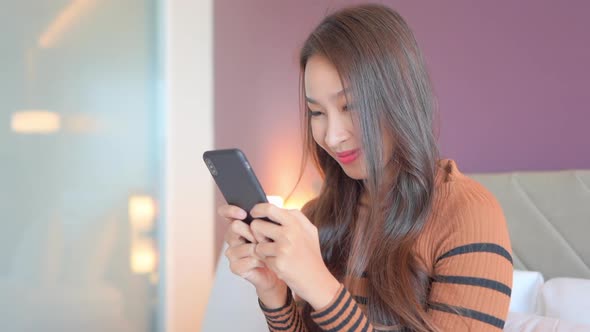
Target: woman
<point x="397" y="239"/>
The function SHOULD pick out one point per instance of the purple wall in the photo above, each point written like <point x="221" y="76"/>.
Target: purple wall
<point x="512" y="80"/>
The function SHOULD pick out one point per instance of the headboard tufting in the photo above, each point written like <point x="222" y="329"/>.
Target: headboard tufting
<point x="548" y="215"/>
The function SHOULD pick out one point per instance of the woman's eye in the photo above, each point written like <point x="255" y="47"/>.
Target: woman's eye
<point x="314" y="113"/>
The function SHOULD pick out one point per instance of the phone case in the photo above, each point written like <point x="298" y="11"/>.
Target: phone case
<point x="235" y="179"/>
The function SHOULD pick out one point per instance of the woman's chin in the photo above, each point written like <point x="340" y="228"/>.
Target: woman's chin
<point x="354" y="172"/>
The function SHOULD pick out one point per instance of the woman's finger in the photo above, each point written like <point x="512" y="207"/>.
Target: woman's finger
<point x="243" y="266"/>
<point x="274" y="213"/>
<point x="264" y="231"/>
<point x="240" y="251"/>
<point x="266" y="249"/>
<point x="243" y="230"/>
<point x="232" y="238"/>
<point x="231" y="212"/>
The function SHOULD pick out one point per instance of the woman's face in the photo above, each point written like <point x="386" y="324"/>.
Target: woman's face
<point x="331" y="122"/>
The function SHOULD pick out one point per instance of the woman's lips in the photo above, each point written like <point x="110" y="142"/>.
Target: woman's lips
<point x="348" y="157"/>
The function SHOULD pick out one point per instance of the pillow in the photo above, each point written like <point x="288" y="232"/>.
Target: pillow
<point x="567" y="299"/>
<point x="523" y="322"/>
<point x="526" y="286"/>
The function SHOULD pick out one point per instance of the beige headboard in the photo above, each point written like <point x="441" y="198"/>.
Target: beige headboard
<point x="548" y="216"/>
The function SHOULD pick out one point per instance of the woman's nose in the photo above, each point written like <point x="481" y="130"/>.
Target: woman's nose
<point x="337" y="131"/>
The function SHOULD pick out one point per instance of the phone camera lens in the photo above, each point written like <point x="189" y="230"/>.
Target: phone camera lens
<point x="211" y="167"/>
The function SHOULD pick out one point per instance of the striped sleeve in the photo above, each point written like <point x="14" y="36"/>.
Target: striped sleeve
<point x="342" y="314"/>
<point x="472" y="279"/>
<point x="284" y="319"/>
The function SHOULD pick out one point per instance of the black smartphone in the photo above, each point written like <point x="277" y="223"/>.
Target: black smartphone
<point x="235" y="179"/>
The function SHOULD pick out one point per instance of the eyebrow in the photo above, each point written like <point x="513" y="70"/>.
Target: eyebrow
<point x="313" y="101"/>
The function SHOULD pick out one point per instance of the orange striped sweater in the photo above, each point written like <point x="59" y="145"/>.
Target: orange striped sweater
<point x="467" y="248"/>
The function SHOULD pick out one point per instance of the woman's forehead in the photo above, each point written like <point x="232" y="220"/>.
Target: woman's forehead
<point x="321" y="78"/>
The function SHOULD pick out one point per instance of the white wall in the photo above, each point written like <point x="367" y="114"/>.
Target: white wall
<point x="189" y="191"/>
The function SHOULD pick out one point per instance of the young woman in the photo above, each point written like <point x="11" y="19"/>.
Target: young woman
<point x="397" y="239"/>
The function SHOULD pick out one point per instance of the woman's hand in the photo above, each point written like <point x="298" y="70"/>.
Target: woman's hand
<point x="292" y="250"/>
<point x="244" y="262"/>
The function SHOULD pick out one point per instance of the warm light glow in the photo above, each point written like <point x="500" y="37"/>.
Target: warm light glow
<point x="295" y="203"/>
<point x="276" y="200"/>
<point x="64" y="21"/>
<point x="142" y="212"/>
<point x="143" y="256"/>
<point x="35" y="122"/>
<point x="80" y="123"/>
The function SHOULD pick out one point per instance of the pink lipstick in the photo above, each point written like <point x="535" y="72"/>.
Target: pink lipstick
<point x="349" y="156"/>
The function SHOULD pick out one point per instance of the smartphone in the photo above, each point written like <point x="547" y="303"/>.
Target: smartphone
<point x="235" y="179"/>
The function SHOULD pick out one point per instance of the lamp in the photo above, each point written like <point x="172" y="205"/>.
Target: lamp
<point x="35" y="122"/>
<point x="143" y="256"/>
<point x="276" y="200"/>
<point x="142" y="212"/>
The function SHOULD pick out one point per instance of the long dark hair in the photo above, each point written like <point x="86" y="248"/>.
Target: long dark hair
<point x="380" y="65"/>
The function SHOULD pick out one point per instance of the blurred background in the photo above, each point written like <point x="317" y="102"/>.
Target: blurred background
<point x="106" y="106"/>
<point x="91" y="94"/>
<point x="81" y="158"/>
